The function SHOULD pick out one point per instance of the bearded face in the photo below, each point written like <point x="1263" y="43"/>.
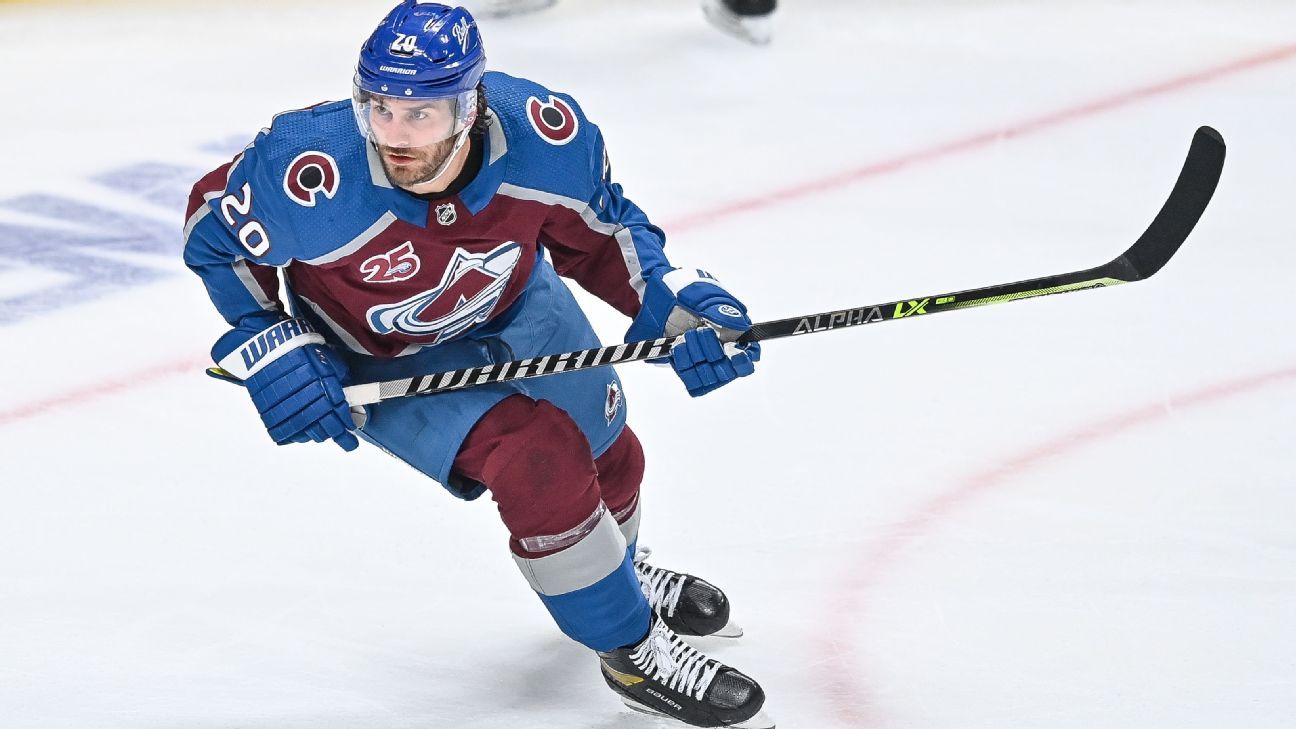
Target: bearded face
<point x="415" y="137"/>
<point x="410" y="166"/>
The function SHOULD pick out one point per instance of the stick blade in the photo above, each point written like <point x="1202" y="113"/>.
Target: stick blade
<point x="1179" y="215"/>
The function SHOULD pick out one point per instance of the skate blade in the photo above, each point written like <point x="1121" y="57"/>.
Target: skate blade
<point x="760" y="721"/>
<point x="730" y="630"/>
<point x="756" y="30"/>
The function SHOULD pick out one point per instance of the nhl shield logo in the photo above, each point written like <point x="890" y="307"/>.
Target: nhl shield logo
<point x="445" y="214"/>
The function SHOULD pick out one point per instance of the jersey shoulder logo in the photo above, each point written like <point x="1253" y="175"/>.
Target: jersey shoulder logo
<point x="398" y="264"/>
<point x="311" y="174"/>
<point x="555" y="121"/>
<point x="466" y="295"/>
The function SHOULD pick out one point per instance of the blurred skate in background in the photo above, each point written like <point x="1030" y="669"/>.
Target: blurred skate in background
<point x="748" y="20"/>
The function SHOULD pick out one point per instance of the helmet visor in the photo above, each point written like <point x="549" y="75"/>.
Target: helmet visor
<point x="393" y="121"/>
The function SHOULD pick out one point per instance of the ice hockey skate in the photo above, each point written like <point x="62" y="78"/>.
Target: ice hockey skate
<point x="749" y="20"/>
<point x="505" y="8"/>
<point x="689" y="605"/>
<point x="664" y="676"/>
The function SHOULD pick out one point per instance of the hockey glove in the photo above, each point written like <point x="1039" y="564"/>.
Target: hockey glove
<point x="692" y="303"/>
<point x="294" y="378"/>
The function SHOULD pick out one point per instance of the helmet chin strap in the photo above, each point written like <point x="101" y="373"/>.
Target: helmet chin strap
<point x="459" y="143"/>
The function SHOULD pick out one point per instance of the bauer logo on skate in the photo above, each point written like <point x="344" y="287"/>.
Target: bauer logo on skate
<point x="467" y="294"/>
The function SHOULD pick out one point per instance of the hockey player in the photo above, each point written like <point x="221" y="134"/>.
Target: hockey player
<point x="409" y="227"/>
<point x="745" y="19"/>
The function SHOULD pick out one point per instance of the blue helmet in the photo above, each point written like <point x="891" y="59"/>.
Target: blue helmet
<point x="422" y="50"/>
<point x="416" y="81"/>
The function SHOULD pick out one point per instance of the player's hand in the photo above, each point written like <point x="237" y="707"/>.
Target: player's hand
<point x="693" y="303"/>
<point x="295" y="381"/>
<point x="704" y="364"/>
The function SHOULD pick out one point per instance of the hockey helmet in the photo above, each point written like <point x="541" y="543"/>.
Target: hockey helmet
<point x="421" y="51"/>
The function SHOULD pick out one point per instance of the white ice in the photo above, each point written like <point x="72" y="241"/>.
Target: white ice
<point x="1071" y="512"/>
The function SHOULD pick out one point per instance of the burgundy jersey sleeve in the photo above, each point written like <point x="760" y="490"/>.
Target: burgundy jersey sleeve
<point x="607" y="244"/>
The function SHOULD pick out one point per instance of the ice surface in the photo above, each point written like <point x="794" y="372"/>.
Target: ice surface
<point x="1071" y="512"/>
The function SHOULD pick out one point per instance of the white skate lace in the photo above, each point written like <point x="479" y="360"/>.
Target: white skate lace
<point x="667" y="659"/>
<point x="662" y="587"/>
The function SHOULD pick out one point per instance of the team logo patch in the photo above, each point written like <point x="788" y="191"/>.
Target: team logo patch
<point x="613" y="402"/>
<point x="446" y="214"/>
<point x="467" y="294"/>
<point x="309" y="175"/>
<point x="398" y="264"/>
<point x="554" y="121"/>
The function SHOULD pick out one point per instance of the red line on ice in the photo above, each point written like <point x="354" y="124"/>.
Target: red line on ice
<point x="842" y="687"/>
<point x="980" y="139"/>
<point x="85" y="393"/>
<point x="787" y="194"/>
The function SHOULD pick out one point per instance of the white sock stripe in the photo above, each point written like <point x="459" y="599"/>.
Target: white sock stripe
<point x="584" y="563"/>
<point x="630" y="524"/>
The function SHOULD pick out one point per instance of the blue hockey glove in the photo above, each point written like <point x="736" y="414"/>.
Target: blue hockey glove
<point x="294" y="378"/>
<point x="692" y="302"/>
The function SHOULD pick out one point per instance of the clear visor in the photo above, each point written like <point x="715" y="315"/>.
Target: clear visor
<point x="393" y="121"/>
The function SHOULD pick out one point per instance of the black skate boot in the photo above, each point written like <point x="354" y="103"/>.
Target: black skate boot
<point x="664" y="676"/>
<point x="745" y="19"/>
<point x="689" y="605"/>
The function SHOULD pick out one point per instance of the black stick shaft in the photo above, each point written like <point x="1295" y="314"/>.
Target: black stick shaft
<point x="1168" y="231"/>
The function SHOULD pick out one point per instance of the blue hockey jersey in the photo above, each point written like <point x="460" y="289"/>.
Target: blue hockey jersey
<point x="389" y="273"/>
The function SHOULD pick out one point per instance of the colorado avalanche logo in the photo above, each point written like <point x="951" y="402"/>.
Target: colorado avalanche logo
<point x="309" y="175"/>
<point x="398" y="264"/>
<point x="554" y="121"/>
<point x="613" y="402"/>
<point x="467" y="294"/>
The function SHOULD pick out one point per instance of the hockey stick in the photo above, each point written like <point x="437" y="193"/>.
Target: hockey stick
<point x="1169" y="229"/>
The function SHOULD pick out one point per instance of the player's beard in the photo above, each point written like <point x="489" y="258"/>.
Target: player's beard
<point x="429" y="160"/>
